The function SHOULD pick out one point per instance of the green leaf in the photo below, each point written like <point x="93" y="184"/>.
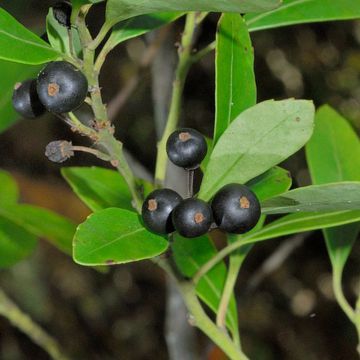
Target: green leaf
<point x="15" y="243"/>
<point x="58" y="36"/>
<point x="305" y="11"/>
<point x="235" y="78"/>
<point x="10" y="74"/>
<point x="189" y="256"/>
<point x="118" y="10"/>
<point x="258" y="139"/>
<point x="115" y="236"/>
<point x="301" y="222"/>
<point x="9" y="192"/>
<point x="42" y="223"/>
<point x="139" y="25"/>
<point x="18" y="44"/>
<point x="333" y="154"/>
<point x="273" y="182"/>
<point x="98" y="188"/>
<point x="326" y="197"/>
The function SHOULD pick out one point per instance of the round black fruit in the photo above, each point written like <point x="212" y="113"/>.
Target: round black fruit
<point x="61" y="87"/>
<point x="157" y="209"/>
<point x="186" y="148"/>
<point x="25" y="99"/>
<point x="62" y="13"/>
<point x="236" y="209"/>
<point x="192" y="218"/>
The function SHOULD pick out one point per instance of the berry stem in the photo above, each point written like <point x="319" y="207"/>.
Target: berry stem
<point x="182" y="70"/>
<point x="190" y="180"/>
<point x="24" y="323"/>
<point x="95" y="152"/>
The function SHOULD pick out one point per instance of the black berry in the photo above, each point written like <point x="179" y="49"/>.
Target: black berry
<point x="25" y="99"/>
<point x="61" y="87"/>
<point x="192" y="218"/>
<point x="236" y="209"/>
<point x="157" y="209"/>
<point x="62" y="13"/>
<point x="186" y="148"/>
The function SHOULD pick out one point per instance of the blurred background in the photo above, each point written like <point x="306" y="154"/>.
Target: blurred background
<point x="286" y="313"/>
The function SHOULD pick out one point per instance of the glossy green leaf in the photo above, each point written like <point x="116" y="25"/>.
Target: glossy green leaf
<point x="273" y="182"/>
<point x="59" y="37"/>
<point x="301" y="222"/>
<point x="304" y="11"/>
<point x="42" y="223"/>
<point x="258" y="139"/>
<point x="139" y="25"/>
<point x="115" y="236"/>
<point x="190" y="255"/>
<point x="9" y="192"/>
<point x="118" y="10"/>
<point x="98" y="188"/>
<point x="15" y="243"/>
<point x="235" y="77"/>
<point x="333" y="154"/>
<point x="10" y="74"/>
<point x="18" y="44"/>
<point x="326" y="197"/>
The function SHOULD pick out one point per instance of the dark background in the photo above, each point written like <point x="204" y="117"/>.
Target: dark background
<point x="291" y="314"/>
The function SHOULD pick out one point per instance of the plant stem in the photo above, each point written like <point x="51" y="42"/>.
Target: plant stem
<point x="203" y="52"/>
<point x="352" y="314"/>
<point x="24" y="323"/>
<point x="200" y="318"/>
<point x="105" y="131"/>
<point x="233" y="271"/>
<point x="340" y="297"/>
<point x="178" y="87"/>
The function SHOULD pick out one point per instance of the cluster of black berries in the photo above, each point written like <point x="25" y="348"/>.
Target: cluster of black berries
<point x="234" y="208"/>
<point x="59" y="88"/>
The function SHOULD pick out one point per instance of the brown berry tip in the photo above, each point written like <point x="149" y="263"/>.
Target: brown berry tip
<point x="244" y="202"/>
<point x="199" y="218"/>
<point x="17" y="85"/>
<point x="53" y="89"/>
<point x="184" y="136"/>
<point x="152" y="205"/>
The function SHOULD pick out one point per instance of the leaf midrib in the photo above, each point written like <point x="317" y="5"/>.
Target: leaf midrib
<point x="111" y="242"/>
<point x="279" y="9"/>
